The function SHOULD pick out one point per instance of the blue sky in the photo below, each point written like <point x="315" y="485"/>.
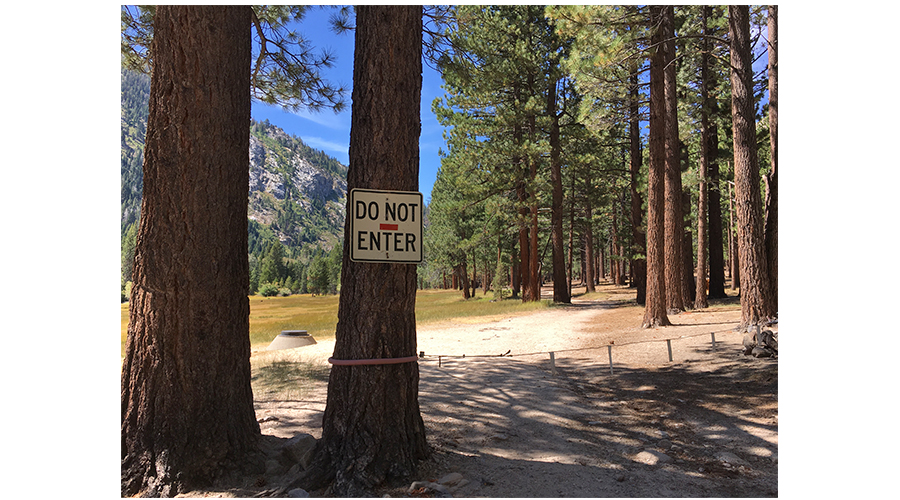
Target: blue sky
<point x="330" y="132"/>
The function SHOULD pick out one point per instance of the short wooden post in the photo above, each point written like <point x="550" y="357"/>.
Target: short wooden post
<point x="439" y="361"/>
<point x="609" y="351"/>
<point x="553" y="363"/>
<point x="713" y="334"/>
<point x="669" y="345"/>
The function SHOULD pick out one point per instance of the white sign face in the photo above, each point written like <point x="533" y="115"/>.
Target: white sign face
<point x="385" y="226"/>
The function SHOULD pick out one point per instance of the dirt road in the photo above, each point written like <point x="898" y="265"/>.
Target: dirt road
<point x="704" y="424"/>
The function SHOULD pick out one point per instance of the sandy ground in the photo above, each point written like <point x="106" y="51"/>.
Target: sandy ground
<point x="704" y="424"/>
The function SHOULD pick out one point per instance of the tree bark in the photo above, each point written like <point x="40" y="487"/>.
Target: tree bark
<point x="771" y="230"/>
<point x="638" y="235"/>
<point x="700" y="299"/>
<point x="187" y="405"/>
<point x="372" y="430"/>
<point x="534" y="263"/>
<point x="560" y="286"/>
<point x="674" y="215"/>
<point x="733" y="263"/>
<point x="655" y="307"/>
<point x="616" y="269"/>
<point x="588" y="266"/>
<point x="756" y="302"/>
<point x="571" y="236"/>
<point x="716" y="241"/>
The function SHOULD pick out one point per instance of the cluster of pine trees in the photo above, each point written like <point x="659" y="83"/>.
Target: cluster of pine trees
<point x="550" y="174"/>
<point x="313" y="271"/>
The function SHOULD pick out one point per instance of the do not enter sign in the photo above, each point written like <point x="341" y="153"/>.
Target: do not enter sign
<point x="385" y="226"/>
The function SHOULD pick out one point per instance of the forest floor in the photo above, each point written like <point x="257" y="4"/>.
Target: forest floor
<point x="704" y="424"/>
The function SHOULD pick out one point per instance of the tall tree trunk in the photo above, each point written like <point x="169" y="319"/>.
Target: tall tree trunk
<point x="571" y="236"/>
<point x="617" y="273"/>
<point x="700" y="299"/>
<point x="372" y="430"/>
<point x="638" y="236"/>
<point x="714" y="211"/>
<point x="716" y="242"/>
<point x="558" y="255"/>
<point x="771" y="230"/>
<point x="655" y="307"/>
<point x="600" y="261"/>
<point x="474" y="272"/>
<point x="515" y="270"/>
<point x="733" y="263"/>
<point x="534" y="262"/>
<point x="688" y="285"/>
<point x="687" y="250"/>
<point x="756" y="299"/>
<point x="187" y="406"/>
<point x="588" y="264"/>
<point x="673" y="216"/>
<point x="462" y="280"/>
<point x="524" y="243"/>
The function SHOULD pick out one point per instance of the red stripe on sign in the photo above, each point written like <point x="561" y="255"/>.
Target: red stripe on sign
<point x="389" y="227"/>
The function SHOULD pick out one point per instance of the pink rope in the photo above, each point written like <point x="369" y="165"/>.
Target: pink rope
<point x="382" y="361"/>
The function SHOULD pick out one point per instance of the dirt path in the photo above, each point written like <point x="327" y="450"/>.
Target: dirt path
<point x="705" y="424"/>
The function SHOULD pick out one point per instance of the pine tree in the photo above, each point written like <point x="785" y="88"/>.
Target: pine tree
<point x="497" y="79"/>
<point x="757" y="305"/>
<point x="372" y="430"/>
<point x="655" y="307"/>
<point x="187" y="413"/>
<point x="771" y="228"/>
<point x="272" y="268"/>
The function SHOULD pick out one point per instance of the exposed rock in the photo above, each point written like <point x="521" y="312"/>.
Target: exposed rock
<point x="451" y="479"/>
<point x="298" y="493"/>
<point x="274" y="468"/>
<point x="730" y="458"/>
<point x="427" y="486"/>
<point x="652" y="457"/>
<point x="299" y="449"/>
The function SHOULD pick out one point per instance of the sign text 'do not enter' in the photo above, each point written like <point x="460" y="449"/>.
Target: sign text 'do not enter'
<point x="385" y="226"/>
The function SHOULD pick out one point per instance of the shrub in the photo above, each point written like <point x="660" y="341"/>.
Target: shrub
<point x="268" y="289"/>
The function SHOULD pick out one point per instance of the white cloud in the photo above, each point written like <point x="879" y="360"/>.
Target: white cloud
<point x="326" y="145"/>
<point x="326" y="118"/>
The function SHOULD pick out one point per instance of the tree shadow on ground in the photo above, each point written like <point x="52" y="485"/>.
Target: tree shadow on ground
<point x="640" y="432"/>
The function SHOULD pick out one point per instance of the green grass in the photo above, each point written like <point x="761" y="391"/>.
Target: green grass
<point x="318" y="315"/>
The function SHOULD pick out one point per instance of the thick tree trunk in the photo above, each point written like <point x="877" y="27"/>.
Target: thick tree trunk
<point x="462" y="278"/>
<point x="756" y="299"/>
<point x="655" y="307"/>
<point x="771" y="230"/>
<point x="558" y="255"/>
<point x="187" y="406"/>
<point x="673" y="216"/>
<point x="638" y="235"/>
<point x="372" y="431"/>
